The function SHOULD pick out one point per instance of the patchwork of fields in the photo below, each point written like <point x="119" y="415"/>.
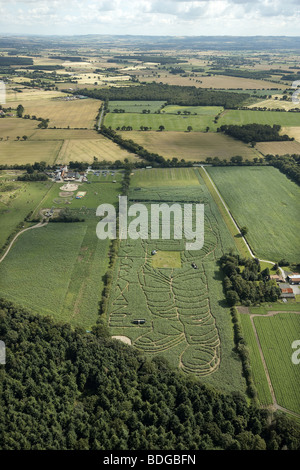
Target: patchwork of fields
<point x="265" y="201"/>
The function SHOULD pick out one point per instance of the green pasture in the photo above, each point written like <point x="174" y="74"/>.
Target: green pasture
<point x="166" y="259"/>
<point x="171" y="122"/>
<point x="267" y="203"/>
<point x="258" y="372"/>
<point x="16" y="204"/>
<point x="198" y="110"/>
<point x="158" y="177"/>
<point x="136" y="106"/>
<point x="276" y="335"/>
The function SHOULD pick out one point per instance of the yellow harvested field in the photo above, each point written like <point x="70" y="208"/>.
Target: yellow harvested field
<point x="292" y="132"/>
<point x="13" y="152"/>
<point x="278" y="148"/>
<point x="192" y="146"/>
<point x="62" y="113"/>
<point x="275" y="104"/>
<point x="217" y="82"/>
<point x="85" y="150"/>
<point x="14" y="98"/>
<point x="62" y="134"/>
<point x="12" y="127"/>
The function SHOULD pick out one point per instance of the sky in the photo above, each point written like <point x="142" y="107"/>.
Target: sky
<point x="151" y="17"/>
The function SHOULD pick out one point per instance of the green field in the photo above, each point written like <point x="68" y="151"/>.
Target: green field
<point x="267" y="203"/>
<point x="17" y="202"/>
<point x="258" y="372"/>
<point x="185" y="320"/>
<point x="166" y="259"/>
<point x="58" y="269"/>
<point x="276" y="335"/>
<point x="199" y="110"/>
<point x="136" y="106"/>
<point x="171" y="122"/>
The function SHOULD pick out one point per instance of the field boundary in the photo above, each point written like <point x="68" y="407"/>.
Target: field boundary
<point x="275" y="405"/>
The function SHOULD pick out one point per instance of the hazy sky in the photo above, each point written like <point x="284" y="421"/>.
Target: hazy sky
<point x="151" y="17"/>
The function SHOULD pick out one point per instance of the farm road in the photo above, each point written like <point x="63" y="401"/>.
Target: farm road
<point x="18" y="234"/>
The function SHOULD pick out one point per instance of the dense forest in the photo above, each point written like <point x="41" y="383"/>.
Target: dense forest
<point x="287" y="164"/>
<point x="172" y="94"/>
<point x="255" y="132"/>
<point x="245" y="283"/>
<point x="64" y="388"/>
<point x="8" y="61"/>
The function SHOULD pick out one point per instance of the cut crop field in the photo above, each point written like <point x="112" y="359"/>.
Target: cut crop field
<point x="267" y="203"/>
<point x="278" y="148"/>
<point x="62" y="113"/>
<point x="292" y="132"/>
<point x="84" y="150"/>
<point x="185" y="320"/>
<point x="276" y="336"/>
<point x="58" y="269"/>
<point x="192" y="146"/>
<point x="217" y="82"/>
<point x="22" y="152"/>
<point x="239" y="117"/>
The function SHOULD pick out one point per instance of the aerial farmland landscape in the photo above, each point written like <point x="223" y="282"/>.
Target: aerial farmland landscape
<point x="149" y="243"/>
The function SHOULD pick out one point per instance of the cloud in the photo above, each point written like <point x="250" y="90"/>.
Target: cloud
<point x="154" y="17"/>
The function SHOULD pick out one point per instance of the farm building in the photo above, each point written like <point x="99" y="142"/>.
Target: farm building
<point x="286" y="291"/>
<point x="294" y="278"/>
<point x="277" y="278"/>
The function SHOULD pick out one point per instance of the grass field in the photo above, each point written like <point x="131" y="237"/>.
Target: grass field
<point x="185" y="320"/>
<point x="18" y="202"/>
<point x="266" y="202"/>
<point x="166" y="259"/>
<point x="136" y="106"/>
<point x="292" y="132"/>
<point x="157" y="177"/>
<point x="58" y="269"/>
<point x="276" y="335"/>
<point x="259" y="376"/>
<point x="192" y="146"/>
<point x="171" y="122"/>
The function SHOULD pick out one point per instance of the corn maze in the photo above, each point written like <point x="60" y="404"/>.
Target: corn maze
<point x="173" y="303"/>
